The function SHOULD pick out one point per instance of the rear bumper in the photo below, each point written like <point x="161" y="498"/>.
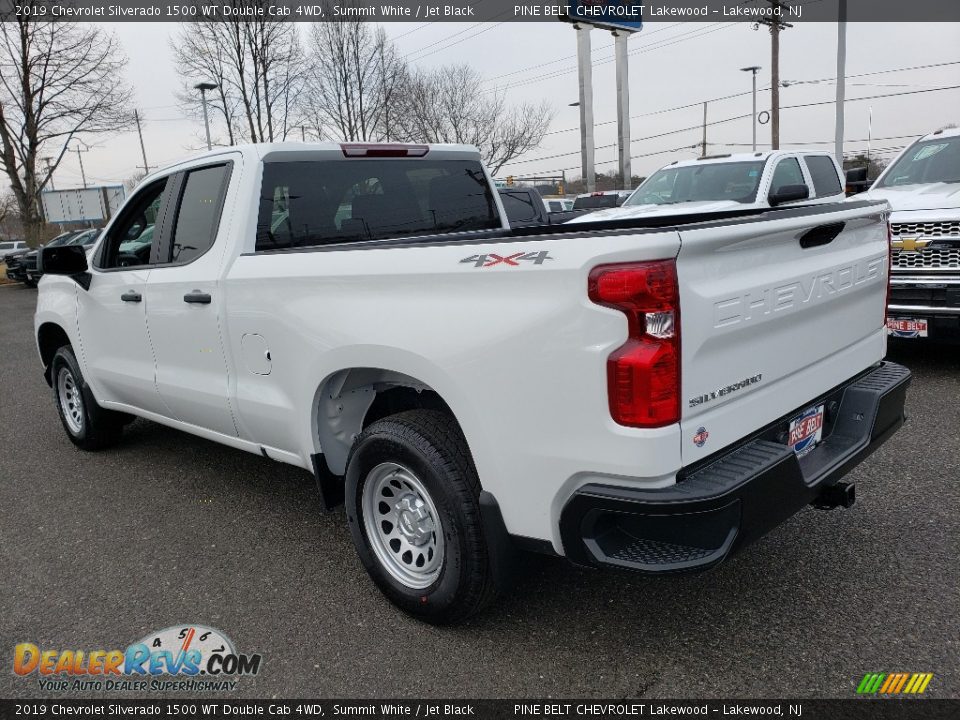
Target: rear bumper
<point x="735" y="497"/>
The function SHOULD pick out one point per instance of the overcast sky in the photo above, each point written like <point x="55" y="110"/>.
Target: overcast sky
<point x="671" y="65"/>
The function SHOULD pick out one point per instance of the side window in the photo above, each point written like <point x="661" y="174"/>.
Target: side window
<point x="198" y="213"/>
<point x="787" y="173"/>
<point x="518" y="206"/>
<point x="824" y="175"/>
<point x="131" y="237"/>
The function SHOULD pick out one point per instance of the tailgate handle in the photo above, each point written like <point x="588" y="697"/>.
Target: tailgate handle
<point x="821" y="235"/>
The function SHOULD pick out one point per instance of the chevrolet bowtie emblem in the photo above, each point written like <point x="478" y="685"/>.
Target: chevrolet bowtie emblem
<point x="909" y="244"/>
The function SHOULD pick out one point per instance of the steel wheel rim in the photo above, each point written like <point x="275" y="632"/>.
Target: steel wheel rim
<point x="71" y="400"/>
<point x="402" y="525"/>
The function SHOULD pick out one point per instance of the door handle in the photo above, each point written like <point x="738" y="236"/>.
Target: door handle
<point x="131" y="296"/>
<point x="197" y="297"/>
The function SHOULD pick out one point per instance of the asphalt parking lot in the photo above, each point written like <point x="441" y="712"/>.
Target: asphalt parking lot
<point x="100" y="549"/>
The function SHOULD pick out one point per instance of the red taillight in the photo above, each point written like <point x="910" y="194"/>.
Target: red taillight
<point x="383" y="150"/>
<point x="643" y="374"/>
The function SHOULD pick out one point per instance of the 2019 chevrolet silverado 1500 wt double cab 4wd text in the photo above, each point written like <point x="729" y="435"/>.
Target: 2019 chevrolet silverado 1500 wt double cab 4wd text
<point x="650" y="395"/>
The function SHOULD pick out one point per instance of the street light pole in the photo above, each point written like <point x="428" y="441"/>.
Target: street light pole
<point x="203" y="87"/>
<point x="841" y="80"/>
<point x="753" y="122"/>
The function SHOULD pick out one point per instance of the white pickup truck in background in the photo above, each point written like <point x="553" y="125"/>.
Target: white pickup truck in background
<point x="745" y="181"/>
<point x="649" y="394"/>
<point x="923" y="188"/>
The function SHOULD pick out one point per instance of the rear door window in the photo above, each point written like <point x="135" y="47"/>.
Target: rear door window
<point x="787" y="172"/>
<point x="823" y="172"/>
<point x="198" y="213"/>
<point x="518" y="206"/>
<point x="304" y="204"/>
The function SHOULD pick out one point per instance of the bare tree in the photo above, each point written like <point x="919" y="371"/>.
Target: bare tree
<point x="353" y="81"/>
<point x="57" y="80"/>
<point x="10" y="225"/>
<point x="450" y="104"/>
<point x="257" y="65"/>
<point x="130" y="184"/>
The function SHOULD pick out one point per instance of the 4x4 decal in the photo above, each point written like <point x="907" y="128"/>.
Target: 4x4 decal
<point x="491" y="259"/>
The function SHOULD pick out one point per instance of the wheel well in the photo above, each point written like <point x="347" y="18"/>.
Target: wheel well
<point x="352" y="399"/>
<point x="50" y="338"/>
<point x="400" y="398"/>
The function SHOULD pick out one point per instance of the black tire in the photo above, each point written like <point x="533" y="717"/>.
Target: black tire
<point x="428" y="443"/>
<point x="92" y="428"/>
<point x="29" y="283"/>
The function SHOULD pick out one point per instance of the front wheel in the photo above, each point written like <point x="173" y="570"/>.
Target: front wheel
<point x="412" y="497"/>
<point x="88" y="425"/>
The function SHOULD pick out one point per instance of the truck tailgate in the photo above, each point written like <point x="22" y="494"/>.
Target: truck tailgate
<point x="775" y="311"/>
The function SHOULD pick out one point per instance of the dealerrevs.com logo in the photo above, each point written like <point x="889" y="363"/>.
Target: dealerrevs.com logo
<point x="188" y="658"/>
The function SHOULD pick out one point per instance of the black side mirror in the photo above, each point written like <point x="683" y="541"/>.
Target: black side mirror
<point x="788" y="193"/>
<point x="63" y="260"/>
<point x="856" y="180"/>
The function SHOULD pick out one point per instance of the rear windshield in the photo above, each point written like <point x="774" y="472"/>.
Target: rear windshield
<point x="592" y="202"/>
<point x="737" y="181"/>
<point x="326" y="202"/>
<point x="933" y="161"/>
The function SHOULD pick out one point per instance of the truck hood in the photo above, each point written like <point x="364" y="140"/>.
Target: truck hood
<point x="628" y="212"/>
<point x="938" y="196"/>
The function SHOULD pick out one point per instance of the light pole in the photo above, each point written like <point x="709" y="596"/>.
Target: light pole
<point x="753" y="71"/>
<point x="203" y="87"/>
<point x="841" y="81"/>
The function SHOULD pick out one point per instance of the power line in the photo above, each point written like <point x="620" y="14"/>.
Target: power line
<point x="569" y="57"/>
<point x="699" y="103"/>
<point x="740" y="117"/>
<point x="665" y="42"/>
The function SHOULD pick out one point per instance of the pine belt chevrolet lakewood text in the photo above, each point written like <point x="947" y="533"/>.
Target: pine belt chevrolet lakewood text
<point x="651" y="394"/>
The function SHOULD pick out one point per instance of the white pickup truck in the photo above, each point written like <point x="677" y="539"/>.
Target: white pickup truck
<point x="743" y="181"/>
<point x="651" y="395"/>
<point x="923" y="188"/>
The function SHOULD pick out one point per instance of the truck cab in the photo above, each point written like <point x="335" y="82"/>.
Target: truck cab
<point x="744" y="181"/>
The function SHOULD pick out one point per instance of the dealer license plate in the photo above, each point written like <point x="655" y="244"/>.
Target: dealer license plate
<point x="904" y="328"/>
<point x="806" y="430"/>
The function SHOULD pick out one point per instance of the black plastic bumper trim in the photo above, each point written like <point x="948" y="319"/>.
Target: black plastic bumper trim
<point x="735" y="497"/>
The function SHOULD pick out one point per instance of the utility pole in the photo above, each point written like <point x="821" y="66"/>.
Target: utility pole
<point x="703" y="143"/>
<point x="775" y="24"/>
<point x="80" y="158"/>
<point x="841" y="80"/>
<point x="143" y="149"/>
<point x="47" y="160"/>
<point x="586" y="106"/>
<point x="753" y="118"/>
<point x="303" y="133"/>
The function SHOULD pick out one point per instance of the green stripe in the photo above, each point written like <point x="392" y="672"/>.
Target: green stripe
<point x="880" y="677"/>
<point x="862" y="687"/>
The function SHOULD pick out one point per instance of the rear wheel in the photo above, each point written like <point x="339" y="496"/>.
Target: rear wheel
<point x="412" y="497"/>
<point x="88" y="425"/>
